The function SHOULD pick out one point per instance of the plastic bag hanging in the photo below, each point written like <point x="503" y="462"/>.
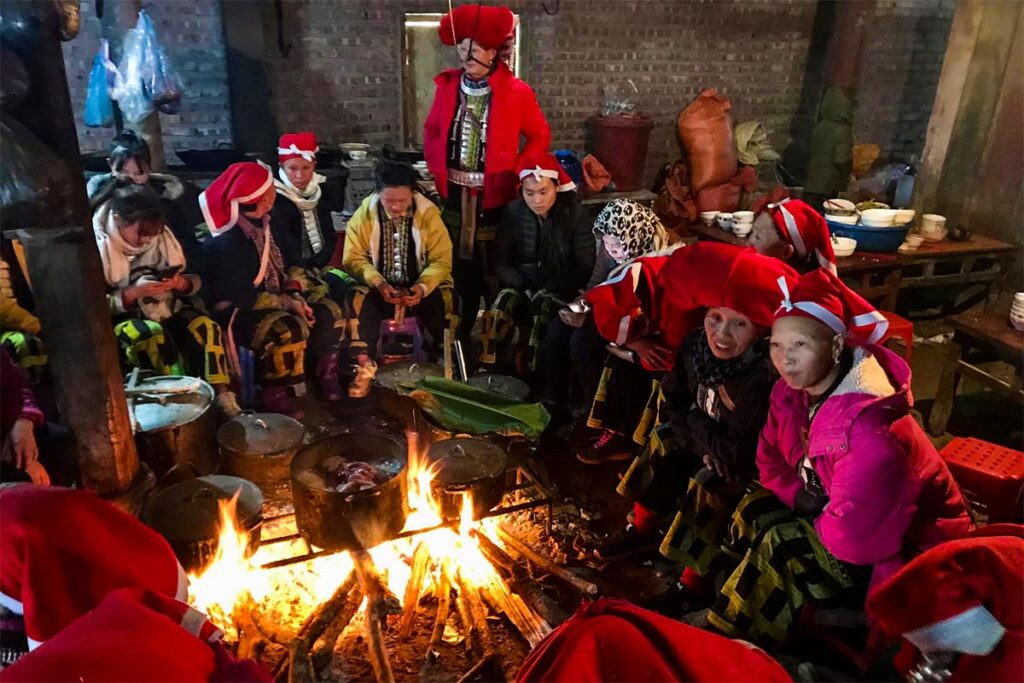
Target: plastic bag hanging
<point x="146" y="77"/>
<point x="99" y="108"/>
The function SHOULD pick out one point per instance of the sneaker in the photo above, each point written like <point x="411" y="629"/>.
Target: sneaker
<point x="227" y="403"/>
<point x="610" y="447"/>
<point x="624" y="543"/>
<point x="361" y="383"/>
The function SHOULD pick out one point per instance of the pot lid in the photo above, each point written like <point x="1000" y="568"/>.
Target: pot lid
<point x="189" y="510"/>
<point x="467" y="460"/>
<point x="513" y="387"/>
<point x="405" y="372"/>
<point x="173" y="401"/>
<point x="260" y="434"/>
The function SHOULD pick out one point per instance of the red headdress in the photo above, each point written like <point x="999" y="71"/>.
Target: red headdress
<point x="805" y="229"/>
<point x="293" y="145"/>
<point x="489" y="26"/>
<point x="820" y="295"/>
<point x="241" y="183"/>
<point x="545" y="166"/>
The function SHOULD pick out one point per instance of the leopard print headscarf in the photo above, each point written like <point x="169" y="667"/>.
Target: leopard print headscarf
<point x="636" y="226"/>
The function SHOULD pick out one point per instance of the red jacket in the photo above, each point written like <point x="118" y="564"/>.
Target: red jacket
<point x="513" y="112"/>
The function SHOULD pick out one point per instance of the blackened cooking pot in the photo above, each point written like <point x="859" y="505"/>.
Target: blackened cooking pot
<point x="468" y="465"/>
<point x="187" y="514"/>
<point x="176" y="423"/>
<point x="389" y="377"/>
<point x="259" y="446"/>
<point x="351" y="521"/>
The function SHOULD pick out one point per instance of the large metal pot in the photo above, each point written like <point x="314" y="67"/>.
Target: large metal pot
<point x="177" y="423"/>
<point x="468" y="465"/>
<point x="506" y="385"/>
<point x="259" y="446"/>
<point x="350" y="521"/>
<point x="403" y="372"/>
<point x="187" y="514"/>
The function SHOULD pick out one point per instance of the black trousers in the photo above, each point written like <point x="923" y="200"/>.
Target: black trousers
<point x="469" y="274"/>
<point x="572" y="355"/>
<point x="431" y="312"/>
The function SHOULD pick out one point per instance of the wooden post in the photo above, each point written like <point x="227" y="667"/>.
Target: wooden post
<point x="118" y="17"/>
<point x="64" y="267"/>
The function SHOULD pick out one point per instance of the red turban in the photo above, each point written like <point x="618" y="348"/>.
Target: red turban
<point x="803" y="227"/>
<point x="293" y="145"/>
<point x="489" y="26"/>
<point x="820" y="295"/>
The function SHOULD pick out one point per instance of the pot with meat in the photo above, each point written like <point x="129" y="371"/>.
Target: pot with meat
<point x="349" y="490"/>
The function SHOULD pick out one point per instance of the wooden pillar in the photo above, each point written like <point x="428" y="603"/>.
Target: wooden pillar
<point x="64" y="266"/>
<point x="846" y="51"/>
<point x="118" y="17"/>
<point x="253" y="128"/>
<point x="70" y="296"/>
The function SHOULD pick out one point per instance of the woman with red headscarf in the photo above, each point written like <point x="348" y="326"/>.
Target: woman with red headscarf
<point x="471" y="137"/>
<point x="791" y="230"/>
<point x="851" y="486"/>
<point x="249" y="291"/>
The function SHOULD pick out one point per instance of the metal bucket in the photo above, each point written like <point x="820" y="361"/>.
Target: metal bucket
<point x="259" y="447"/>
<point x="175" y="426"/>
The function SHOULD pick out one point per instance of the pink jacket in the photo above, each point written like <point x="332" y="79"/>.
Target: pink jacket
<point x="890" y="494"/>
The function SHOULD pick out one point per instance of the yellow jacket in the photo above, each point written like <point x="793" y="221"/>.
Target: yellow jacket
<point x="15" y="318"/>
<point x="430" y="236"/>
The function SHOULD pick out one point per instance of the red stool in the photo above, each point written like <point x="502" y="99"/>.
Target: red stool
<point x="900" y="329"/>
<point x="990" y="476"/>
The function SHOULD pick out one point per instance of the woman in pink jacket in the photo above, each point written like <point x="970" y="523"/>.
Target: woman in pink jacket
<point x="852" y="487"/>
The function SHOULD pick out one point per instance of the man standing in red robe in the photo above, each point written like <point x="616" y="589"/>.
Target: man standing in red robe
<point x="471" y="137"/>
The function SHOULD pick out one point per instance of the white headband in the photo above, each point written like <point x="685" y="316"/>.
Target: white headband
<point x="537" y="172"/>
<point x="834" y="323"/>
<point x="305" y="154"/>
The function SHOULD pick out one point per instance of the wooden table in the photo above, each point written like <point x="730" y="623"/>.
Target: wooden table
<point x="963" y="273"/>
<point x="977" y="338"/>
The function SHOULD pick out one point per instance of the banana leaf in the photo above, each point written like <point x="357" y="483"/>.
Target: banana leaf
<point x="460" y="407"/>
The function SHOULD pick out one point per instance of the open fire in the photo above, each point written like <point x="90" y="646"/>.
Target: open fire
<point x="451" y="564"/>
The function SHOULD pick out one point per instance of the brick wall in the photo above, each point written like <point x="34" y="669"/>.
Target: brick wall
<point x="342" y="76"/>
<point x="191" y="32"/>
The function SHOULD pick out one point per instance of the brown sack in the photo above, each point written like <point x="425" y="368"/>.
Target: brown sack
<point x="726" y="197"/>
<point x="705" y="130"/>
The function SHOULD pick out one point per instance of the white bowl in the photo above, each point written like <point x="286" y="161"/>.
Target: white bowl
<point x="743" y="216"/>
<point x="904" y="216"/>
<point x="933" y="218"/>
<point x="845" y="220"/>
<point x="934" y="235"/>
<point x="844" y="246"/>
<point x="845" y="205"/>
<point x="878" y="218"/>
<point x="1019" y="296"/>
<point x="357" y="154"/>
<point x="708" y="217"/>
<point x="724" y="221"/>
<point x="742" y="230"/>
<point x="915" y="240"/>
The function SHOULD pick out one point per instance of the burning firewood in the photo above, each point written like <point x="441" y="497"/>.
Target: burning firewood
<point x="420" y="561"/>
<point x="444" y="591"/>
<point x="299" y="660"/>
<point x="377" y="609"/>
<point x="539" y="602"/>
<point x="582" y="585"/>
<point x="324" y="649"/>
<point x="530" y="625"/>
<point x="495" y="554"/>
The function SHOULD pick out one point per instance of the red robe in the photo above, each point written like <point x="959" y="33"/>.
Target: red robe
<point x="135" y="635"/>
<point x="956" y="597"/>
<point x="613" y="640"/>
<point x="513" y="112"/>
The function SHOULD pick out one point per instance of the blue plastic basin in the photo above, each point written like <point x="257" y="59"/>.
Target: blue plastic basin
<point x="871" y="239"/>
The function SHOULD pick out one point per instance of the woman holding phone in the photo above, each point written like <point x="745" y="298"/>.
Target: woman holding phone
<point x="157" y="323"/>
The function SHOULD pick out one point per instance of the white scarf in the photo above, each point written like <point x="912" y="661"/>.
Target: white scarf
<point x="305" y="201"/>
<point x="119" y="257"/>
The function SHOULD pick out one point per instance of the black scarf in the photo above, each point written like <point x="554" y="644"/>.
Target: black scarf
<point x="712" y="371"/>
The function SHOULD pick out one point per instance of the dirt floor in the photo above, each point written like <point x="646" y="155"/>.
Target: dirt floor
<point x="588" y="509"/>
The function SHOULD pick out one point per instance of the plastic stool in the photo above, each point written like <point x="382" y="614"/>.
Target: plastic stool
<point x="902" y="330"/>
<point x="990" y="476"/>
<point x="404" y="333"/>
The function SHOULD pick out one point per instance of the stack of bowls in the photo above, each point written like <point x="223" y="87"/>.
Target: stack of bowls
<point x="1017" y="312"/>
<point x="724" y="221"/>
<point x="878" y="218"/>
<point x="708" y="217"/>
<point x="742" y="223"/>
<point x="933" y="227"/>
<point x="911" y="244"/>
<point x="841" y="211"/>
